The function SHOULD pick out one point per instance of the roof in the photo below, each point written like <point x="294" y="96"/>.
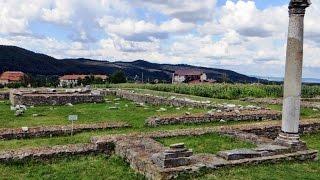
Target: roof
<point x="82" y="76"/>
<point x="12" y="76"/>
<point x="190" y="72"/>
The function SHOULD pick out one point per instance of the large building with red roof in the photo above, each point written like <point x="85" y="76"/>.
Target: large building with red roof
<point x="11" y="77"/>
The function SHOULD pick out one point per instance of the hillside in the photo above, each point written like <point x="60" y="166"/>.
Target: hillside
<point x="19" y="59"/>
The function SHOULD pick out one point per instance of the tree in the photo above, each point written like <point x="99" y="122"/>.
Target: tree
<point x="118" y="77"/>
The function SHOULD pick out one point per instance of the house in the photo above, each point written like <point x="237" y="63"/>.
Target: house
<point x="11" y="77"/>
<point x="72" y="80"/>
<point x="189" y="76"/>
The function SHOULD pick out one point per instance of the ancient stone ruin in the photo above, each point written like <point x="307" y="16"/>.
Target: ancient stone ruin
<point x="45" y="97"/>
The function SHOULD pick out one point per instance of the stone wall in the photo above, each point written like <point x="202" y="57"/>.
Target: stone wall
<point x="44" y="153"/>
<point x="159" y="100"/>
<point x="225" y="116"/>
<point x="273" y="131"/>
<point x="4" y="95"/>
<point x="49" y="131"/>
<point x="35" y="99"/>
<point x="306" y="103"/>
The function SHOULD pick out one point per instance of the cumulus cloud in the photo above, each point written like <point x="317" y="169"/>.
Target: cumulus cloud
<point x="236" y="34"/>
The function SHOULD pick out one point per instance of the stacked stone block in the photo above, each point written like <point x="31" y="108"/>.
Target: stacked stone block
<point x="176" y="156"/>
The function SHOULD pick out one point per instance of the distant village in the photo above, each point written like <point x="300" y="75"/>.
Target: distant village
<point x="190" y="76"/>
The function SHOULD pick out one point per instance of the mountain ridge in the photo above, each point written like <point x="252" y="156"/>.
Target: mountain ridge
<point x="19" y="59"/>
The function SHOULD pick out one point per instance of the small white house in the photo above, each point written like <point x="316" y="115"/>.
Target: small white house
<point x="72" y="80"/>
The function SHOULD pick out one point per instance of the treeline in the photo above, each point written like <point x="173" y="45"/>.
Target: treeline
<point x="31" y="80"/>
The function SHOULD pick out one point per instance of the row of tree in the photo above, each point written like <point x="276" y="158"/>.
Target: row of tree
<point x="53" y="80"/>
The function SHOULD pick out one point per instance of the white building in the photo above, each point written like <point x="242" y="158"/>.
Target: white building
<point x="189" y="76"/>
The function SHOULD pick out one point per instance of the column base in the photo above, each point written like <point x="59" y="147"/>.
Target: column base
<point x="290" y="140"/>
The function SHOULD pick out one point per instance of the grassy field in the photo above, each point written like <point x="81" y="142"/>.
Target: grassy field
<point x="286" y="170"/>
<point x="94" y="113"/>
<point x="210" y="143"/>
<point x="101" y="167"/>
<point x="88" y="113"/>
<point x="221" y="91"/>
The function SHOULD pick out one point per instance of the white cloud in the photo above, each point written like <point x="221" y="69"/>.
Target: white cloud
<point x="237" y="35"/>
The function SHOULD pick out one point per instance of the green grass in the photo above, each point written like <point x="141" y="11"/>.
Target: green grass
<point x="77" y="167"/>
<point x="209" y="143"/>
<point x="284" y="170"/>
<point x="100" y="167"/>
<point x="87" y="113"/>
<point x="93" y="113"/>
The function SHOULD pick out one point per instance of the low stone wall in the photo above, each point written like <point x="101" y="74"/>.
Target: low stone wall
<point x="307" y="103"/>
<point x="49" y="131"/>
<point x="317" y="99"/>
<point x="225" y="116"/>
<point x="34" y="99"/>
<point x="45" y="153"/>
<point x="273" y="131"/>
<point x="159" y="100"/>
<point x="4" y="95"/>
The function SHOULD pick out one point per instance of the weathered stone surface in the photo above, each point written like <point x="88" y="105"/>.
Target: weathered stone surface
<point x="52" y="98"/>
<point x="229" y="116"/>
<point x="236" y="154"/>
<point x="44" y="153"/>
<point x="305" y="102"/>
<point x="48" y="131"/>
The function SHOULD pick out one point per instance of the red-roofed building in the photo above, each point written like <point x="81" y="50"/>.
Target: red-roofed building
<point x="11" y="77"/>
<point x="72" y="80"/>
<point x="188" y="76"/>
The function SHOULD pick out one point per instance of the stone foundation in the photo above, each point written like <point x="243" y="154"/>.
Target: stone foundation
<point x="52" y="98"/>
<point x="4" y="95"/>
<point x="226" y="116"/>
<point x="45" y="153"/>
<point x="147" y="156"/>
<point x="49" y="131"/>
<point x="305" y="102"/>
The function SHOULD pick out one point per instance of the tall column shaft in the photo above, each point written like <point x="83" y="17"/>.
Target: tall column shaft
<point x="293" y="75"/>
<point x="292" y="81"/>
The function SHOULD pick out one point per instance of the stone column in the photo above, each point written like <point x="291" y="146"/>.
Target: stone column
<point x="293" y="75"/>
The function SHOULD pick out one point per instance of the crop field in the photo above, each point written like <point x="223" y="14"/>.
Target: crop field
<point x="223" y="91"/>
<point x="120" y="110"/>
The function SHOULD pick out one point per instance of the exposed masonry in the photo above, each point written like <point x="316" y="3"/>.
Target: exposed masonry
<point x="226" y="116"/>
<point x="52" y="98"/>
<point x="44" y="153"/>
<point x="148" y="156"/>
<point x="49" y="131"/>
<point x="139" y="148"/>
<point x="307" y="103"/>
<point x="4" y="95"/>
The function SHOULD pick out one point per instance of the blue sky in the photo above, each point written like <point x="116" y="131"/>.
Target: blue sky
<point x="242" y="35"/>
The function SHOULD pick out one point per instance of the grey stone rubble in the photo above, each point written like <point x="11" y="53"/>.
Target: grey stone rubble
<point x="214" y="117"/>
<point x="34" y="98"/>
<point x="176" y="102"/>
<point x="49" y="131"/>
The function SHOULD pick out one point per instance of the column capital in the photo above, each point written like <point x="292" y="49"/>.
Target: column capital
<point x="298" y="6"/>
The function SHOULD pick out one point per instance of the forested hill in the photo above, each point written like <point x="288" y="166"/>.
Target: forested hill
<point x="18" y="59"/>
